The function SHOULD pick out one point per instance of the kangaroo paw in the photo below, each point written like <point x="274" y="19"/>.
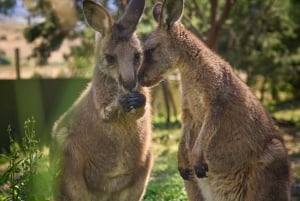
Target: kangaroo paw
<point x="132" y="101"/>
<point x="201" y="170"/>
<point x="186" y="173"/>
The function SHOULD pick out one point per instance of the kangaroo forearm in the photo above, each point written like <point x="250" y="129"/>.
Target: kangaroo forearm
<point x="183" y="153"/>
<point x="200" y="148"/>
<point x="204" y="138"/>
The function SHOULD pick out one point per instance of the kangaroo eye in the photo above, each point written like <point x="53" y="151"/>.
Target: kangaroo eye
<point x="137" y="58"/>
<point x="110" y="59"/>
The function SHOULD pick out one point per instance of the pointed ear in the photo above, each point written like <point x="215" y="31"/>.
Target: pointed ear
<point x="171" y="12"/>
<point x="156" y="11"/>
<point x="97" y="17"/>
<point x="128" y="22"/>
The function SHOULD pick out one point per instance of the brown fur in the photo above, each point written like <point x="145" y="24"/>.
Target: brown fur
<point x="103" y="151"/>
<point x="230" y="149"/>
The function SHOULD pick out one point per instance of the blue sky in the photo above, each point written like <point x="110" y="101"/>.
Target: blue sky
<point x="19" y="9"/>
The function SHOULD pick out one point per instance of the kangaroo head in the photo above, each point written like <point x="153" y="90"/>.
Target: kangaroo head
<point x="160" y="54"/>
<point x="118" y="49"/>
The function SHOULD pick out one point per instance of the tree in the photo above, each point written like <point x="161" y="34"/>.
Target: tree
<point x="60" y="19"/>
<point x="6" y="5"/>
<point x="259" y="37"/>
<point x="254" y="41"/>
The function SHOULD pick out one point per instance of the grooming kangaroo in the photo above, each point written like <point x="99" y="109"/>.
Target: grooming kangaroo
<point x="105" y="137"/>
<point x="230" y="149"/>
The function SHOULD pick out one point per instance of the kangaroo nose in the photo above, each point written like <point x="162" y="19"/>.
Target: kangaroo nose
<point x="128" y="84"/>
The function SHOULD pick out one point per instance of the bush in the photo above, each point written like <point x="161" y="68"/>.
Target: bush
<point x="16" y="183"/>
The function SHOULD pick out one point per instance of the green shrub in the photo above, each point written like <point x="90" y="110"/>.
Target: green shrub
<point x="16" y="182"/>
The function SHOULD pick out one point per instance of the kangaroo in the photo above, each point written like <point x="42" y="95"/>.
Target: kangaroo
<point x="102" y="144"/>
<point x="229" y="150"/>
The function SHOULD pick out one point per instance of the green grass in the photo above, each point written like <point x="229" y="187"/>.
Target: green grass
<point x="165" y="182"/>
<point x="291" y="114"/>
<point x="287" y="110"/>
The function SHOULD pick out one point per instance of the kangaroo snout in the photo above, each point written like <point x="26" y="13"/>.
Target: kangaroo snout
<point x="127" y="75"/>
<point x="143" y="80"/>
<point x="129" y="84"/>
<point x="141" y="77"/>
<point x="146" y="79"/>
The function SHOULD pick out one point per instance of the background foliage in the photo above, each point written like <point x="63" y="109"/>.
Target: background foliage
<point x="260" y="38"/>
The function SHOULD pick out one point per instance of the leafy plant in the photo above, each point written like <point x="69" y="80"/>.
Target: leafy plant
<point x="23" y="162"/>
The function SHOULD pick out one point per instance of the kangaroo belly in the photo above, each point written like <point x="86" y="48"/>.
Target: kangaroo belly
<point x="108" y="179"/>
<point x="223" y="187"/>
<point x="113" y="168"/>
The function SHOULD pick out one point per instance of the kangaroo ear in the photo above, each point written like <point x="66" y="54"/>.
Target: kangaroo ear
<point x="171" y="12"/>
<point x="128" y="22"/>
<point x="156" y="11"/>
<point x="97" y="17"/>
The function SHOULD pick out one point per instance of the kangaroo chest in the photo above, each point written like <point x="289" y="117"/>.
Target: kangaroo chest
<point x="223" y="188"/>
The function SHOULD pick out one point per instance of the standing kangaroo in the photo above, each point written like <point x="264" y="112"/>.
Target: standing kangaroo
<point x="230" y="149"/>
<point x="105" y="137"/>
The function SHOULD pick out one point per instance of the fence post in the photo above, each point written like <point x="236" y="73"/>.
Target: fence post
<point x="17" y="63"/>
